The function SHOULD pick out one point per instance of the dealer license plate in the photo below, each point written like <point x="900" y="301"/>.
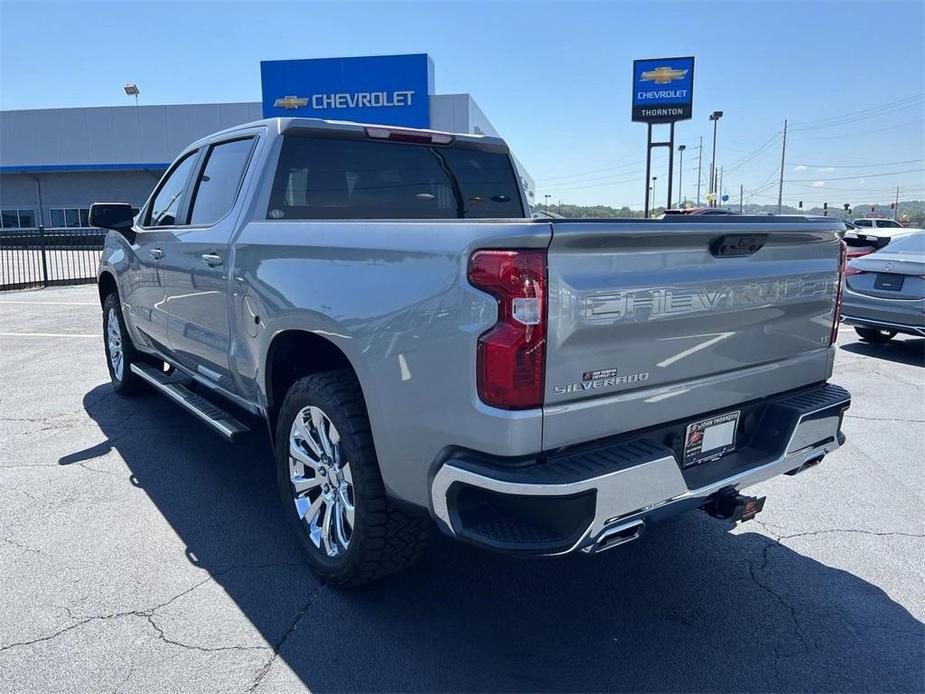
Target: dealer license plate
<point x="710" y="439"/>
<point x="893" y="283"/>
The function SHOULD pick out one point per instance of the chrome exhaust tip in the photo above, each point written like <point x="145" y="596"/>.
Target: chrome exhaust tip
<point x="619" y="535"/>
<point x="811" y="462"/>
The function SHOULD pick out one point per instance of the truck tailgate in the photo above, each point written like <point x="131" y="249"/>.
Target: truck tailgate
<point x="654" y="321"/>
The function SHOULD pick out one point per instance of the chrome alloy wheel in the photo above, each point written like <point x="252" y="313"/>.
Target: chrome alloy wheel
<point x="114" y="340"/>
<point x="321" y="481"/>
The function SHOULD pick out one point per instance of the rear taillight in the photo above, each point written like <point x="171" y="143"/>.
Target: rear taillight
<point x="853" y="271"/>
<point x="842" y="264"/>
<point x="512" y="354"/>
<point x="855" y="253"/>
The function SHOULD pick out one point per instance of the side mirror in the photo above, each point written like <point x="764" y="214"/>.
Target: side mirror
<point x="118" y="216"/>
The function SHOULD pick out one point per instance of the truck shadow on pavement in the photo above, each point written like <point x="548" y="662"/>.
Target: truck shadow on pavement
<point x="689" y="607"/>
<point x="909" y="351"/>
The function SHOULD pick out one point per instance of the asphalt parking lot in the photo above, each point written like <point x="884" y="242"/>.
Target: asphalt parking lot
<point x="140" y="552"/>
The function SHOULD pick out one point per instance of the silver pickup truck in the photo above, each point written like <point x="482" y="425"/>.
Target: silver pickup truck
<point x="422" y="352"/>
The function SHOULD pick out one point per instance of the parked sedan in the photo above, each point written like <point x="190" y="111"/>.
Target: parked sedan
<point x="885" y="291"/>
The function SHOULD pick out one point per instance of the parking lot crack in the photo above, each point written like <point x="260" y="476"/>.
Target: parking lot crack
<point x="42" y="639"/>
<point x="853" y="531"/>
<point x="19" y="545"/>
<point x="131" y="671"/>
<point x="790" y="609"/>
<point x="265" y="668"/>
<point x="205" y="649"/>
<point x="885" y="419"/>
<point x="773" y="530"/>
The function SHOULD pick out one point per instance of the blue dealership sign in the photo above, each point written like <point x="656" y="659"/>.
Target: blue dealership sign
<point x="386" y="89"/>
<point x="663" y="89"/>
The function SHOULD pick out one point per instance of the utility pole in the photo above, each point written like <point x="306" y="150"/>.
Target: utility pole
<point x="681" y="149"/>
<point x="715" y="116"/>
<point x="699" y="161"/>
<point x="780" y="189"/>
<point x="896" y="206"/>
<point x="741" y="196"/>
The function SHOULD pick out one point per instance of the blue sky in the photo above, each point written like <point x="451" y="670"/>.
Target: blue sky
<point x="554" y="78"/>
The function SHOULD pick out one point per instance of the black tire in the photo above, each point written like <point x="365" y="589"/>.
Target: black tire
<point x="875" y="335"/>
<point x="384" y="538"/>
<point x="126" y="383"/>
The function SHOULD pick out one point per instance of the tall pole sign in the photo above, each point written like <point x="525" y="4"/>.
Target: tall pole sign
<point x="663" y="92"/>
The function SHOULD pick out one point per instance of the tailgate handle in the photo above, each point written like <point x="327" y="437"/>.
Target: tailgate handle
<point x="737" y="245"/>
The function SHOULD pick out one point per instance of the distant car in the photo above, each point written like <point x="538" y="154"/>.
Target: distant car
<point x="696" y="211"/>
<point x="885" y="291"/>
<point x="877" y="223"/>
<point x="867" y="235"/>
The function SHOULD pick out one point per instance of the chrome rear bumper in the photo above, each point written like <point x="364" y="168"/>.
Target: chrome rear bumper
<point x="572" y="500"/>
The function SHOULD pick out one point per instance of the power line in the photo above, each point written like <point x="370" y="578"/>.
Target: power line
<point x="766" y="146"/>
<point x="856" y="166"/>
<point x="847" y="178"/>
<point x="863" y="132"/>
<point x="863" y="114"/>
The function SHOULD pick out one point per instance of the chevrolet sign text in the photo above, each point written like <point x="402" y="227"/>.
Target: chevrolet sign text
<point x="362" y="100"/>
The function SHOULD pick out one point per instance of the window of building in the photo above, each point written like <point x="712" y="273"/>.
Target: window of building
<point x="218" y="184"/>
<point x="357" y="179"/>
<point x="167" y="202"/>
<point x="74" y="217"/>
<point x="17" y="219"/>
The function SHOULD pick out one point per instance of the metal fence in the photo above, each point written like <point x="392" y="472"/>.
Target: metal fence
<point x="43" y="257"/>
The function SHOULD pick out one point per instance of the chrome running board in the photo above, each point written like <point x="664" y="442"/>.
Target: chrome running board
<point x="220" y="421"/>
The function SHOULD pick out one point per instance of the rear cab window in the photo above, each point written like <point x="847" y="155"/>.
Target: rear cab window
<point x="334" y="178"/>
<point x="217" y="186"/>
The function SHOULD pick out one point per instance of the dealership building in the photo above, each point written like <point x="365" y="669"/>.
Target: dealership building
<point x="55" y="162"/>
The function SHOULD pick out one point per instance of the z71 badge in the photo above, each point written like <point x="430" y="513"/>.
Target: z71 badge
<point x="603" y="378"/>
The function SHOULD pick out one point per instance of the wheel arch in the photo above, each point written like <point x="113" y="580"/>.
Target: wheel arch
<point x="106" y="285"/>
<point x="294" y="354"/>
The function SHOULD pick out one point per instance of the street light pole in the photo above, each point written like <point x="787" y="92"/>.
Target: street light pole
<point x="654" y="179"/>
<point x="699" y="161"/>
<point x="547" y="196"/>
<point x="715" y="116"/>
<point x="681" y="149"/>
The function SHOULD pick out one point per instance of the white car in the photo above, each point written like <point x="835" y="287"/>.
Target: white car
<point x="870" y="234"/>
<point x="883" y="227"/>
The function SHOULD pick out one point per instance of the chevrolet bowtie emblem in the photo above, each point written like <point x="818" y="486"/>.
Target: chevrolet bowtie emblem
<point x="291" y="102"/>
<point x="662" y="75"/>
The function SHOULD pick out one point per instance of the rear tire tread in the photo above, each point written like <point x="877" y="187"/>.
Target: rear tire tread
<point x="130" y="384"/>
<point x="875" y="334"/>
<point x="392" y="537"/>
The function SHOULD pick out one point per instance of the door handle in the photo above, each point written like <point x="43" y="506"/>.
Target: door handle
<point x="157" y="253"/>
<point x="212" y="259"/>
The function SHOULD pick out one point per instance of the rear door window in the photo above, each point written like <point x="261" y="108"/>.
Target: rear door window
<point x="218" y="184"/>
<point x="320" y="178"/>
